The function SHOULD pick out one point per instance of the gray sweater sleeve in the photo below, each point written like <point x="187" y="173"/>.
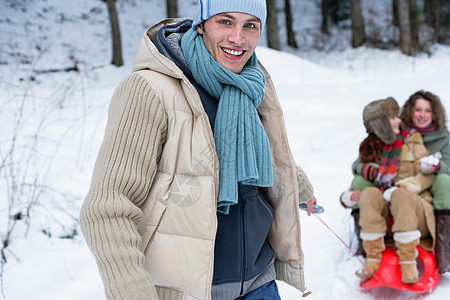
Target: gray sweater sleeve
<point x="122" y="177"/>
<point x="305" y="188"/>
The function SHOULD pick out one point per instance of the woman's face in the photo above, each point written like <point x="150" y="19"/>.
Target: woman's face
<point x="395" y="124"/>
<point x="422" y="115"/>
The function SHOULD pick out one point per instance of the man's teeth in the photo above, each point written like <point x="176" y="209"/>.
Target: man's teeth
<point x="232" y="52"/>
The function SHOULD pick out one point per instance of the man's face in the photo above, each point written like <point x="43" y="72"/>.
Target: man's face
<point x="231" y="38"/>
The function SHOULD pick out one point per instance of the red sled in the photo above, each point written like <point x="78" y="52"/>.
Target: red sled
<point x="389" y="274"/>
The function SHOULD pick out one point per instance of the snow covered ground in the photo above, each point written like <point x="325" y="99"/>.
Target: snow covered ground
<point x="61" y="117"/>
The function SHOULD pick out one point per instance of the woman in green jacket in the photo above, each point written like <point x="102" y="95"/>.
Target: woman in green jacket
<point x="424" y="112"/>
<point x="399" y="189"/>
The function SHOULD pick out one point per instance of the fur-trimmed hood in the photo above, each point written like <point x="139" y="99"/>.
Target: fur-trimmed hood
<point x="376" y="118"/>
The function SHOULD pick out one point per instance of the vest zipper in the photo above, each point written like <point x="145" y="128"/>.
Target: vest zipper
<point x="244" y="247"/>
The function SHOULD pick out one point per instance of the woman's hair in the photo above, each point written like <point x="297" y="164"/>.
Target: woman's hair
<point x="439" y="115"/>
<point x="370" y="149"/>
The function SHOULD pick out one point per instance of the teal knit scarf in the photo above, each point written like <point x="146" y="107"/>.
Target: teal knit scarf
<point x="242" y="144"/>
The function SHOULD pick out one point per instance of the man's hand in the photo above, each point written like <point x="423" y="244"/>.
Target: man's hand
<point x="310" y="205"/>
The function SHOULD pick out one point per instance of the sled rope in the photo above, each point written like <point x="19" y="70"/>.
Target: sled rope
<point x="348" y="247"/>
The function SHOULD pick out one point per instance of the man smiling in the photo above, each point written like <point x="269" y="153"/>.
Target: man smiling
<point x="231" y="38"/>
<point x="195" y="192"/>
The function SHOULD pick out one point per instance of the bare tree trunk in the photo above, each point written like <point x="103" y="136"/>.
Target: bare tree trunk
<point x="405" y="27"/>
<point x="290" y="30"/>
<point x="414" y="16"/>
<point x="273" y="40"/>
<point x="427" y="9"/>
<point x="431" y="8"/>
<point x="395" y="12"/>
<point x="333" y="8"/>
<point x="443" y="22"/>
<point x="172" y="8"/>
<point x="432" y="17"/>
<point x="358" y="33"/>
<point x="325" y="12"/>
<point x="115" y="31"/>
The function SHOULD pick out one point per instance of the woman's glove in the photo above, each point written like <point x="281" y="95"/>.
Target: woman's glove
<point x="367" y="170"/>
<point x="387" y="194"/>
<point x="431" y="163"/>
<point x="350" y="198"/>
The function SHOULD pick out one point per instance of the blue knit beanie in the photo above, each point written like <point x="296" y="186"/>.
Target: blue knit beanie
<point x="209" y="8"/>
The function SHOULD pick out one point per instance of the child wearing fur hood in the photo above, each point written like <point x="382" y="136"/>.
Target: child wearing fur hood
<point x="389" y="181"/>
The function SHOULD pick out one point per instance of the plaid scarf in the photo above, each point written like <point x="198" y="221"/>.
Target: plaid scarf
<point x="432" y="127"/>
<point x="390" y="158"/>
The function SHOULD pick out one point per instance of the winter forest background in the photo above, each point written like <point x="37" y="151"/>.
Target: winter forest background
<point x="57" y="78"/>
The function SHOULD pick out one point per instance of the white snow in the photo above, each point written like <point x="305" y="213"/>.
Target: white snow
<point x="57" y="121"/>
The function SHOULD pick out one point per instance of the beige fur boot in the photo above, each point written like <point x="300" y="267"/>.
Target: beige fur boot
<point x="373" y="250"/>
<point x="407" y="254"/>
<point x="406" y="243"/>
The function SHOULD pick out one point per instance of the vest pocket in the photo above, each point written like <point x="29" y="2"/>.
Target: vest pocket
<point x="150" y="228"/>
